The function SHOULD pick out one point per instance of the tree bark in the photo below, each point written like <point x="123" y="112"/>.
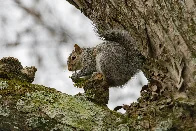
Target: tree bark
<point x="165" y="32"/>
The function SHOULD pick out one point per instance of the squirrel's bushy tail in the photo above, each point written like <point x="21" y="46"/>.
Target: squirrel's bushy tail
<point x="120" y="36"/>
<point x="124" y="38"/>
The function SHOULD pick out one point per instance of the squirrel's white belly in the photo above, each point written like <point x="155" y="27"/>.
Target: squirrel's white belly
<point x="98" y="63"/>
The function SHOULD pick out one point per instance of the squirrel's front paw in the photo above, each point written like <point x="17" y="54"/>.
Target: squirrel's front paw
<point x="97" y="75"/>
<point x="74" y="77"/>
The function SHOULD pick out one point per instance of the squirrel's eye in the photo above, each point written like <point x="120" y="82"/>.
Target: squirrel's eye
<point x="73" y="57"/>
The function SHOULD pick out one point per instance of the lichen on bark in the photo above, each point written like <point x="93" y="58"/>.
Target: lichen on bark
<point x="26" y="106"/>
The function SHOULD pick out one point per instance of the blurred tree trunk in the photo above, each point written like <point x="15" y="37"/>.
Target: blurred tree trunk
<point x="165" y="32"/>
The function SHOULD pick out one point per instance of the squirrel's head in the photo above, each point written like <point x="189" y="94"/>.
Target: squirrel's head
<point x="74" y="59"/>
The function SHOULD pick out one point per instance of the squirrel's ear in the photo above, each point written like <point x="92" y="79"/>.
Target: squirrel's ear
<point x="77" y="49"/>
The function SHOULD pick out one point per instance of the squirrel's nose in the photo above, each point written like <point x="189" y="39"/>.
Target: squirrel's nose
<point x="69" y="68"/>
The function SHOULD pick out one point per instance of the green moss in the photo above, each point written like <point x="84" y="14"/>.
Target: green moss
<point x="35" y="122"/>
<point x="11" y="68"/>
<point x="51" y="108"/>
<point x="4" y="111"/>
<point x="164" y="125"/>
<point x="3" y="84"/>
<point x="80" y="82"/>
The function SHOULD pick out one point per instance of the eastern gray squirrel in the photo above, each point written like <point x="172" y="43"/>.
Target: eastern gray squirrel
<point x="117" y="59"/>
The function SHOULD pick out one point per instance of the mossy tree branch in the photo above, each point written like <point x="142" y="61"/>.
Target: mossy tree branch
<point x="26" y="106"/>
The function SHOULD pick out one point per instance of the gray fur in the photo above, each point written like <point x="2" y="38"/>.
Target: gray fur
<point x="117" y="59"/>
<point x="88" y="63"/>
